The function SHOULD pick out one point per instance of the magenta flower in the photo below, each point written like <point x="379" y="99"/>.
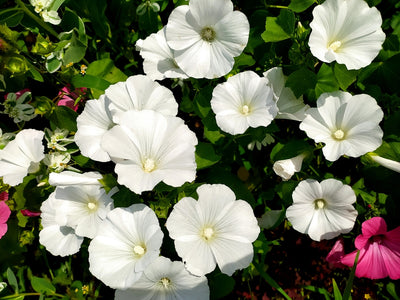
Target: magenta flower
<point x="379" y="251"/>
<point x="335" y="256"/>
<point x="68" y="96"/>
<point x="4" y="215"/>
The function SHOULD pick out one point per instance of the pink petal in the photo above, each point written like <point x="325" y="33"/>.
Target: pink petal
<point x="4" y="212"/>
<point x="371" y="227"/>
<point x="3" y="229"/>
<point x="335" y="255"/>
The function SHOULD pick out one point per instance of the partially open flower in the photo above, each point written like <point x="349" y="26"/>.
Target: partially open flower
<point x="286" y="168"/>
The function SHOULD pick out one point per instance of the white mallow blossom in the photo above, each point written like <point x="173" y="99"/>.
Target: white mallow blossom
<point x="166" y="279"/>
<point x="47" y="10"/>
<point x="58" y="239"/>
<point x="159" y="62"/>
<point x="148" y="148"/>
<point x="99" y="116"/>
<point x="66" y="178"/>
<point x="128" y="241"/>
<point x="215" y="229"/>
<point x="205" y="36"/>
<point x="243" y="101"/>
<point x="286" y="168"/>
<point x="138" y="93"/>
<point x="346" y="31"/>
<point x="289" y="107"/>
<point x="346" y="124"/>
<point x="94" y="121"/>
<point x="21" y="156"/>
<point x="84" y="207"/>
<point x="322" y="210"/>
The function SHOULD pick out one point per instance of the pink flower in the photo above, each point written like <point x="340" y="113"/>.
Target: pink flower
<point x="379" y="251"/>
<point x="68" y="96"/>
<point x="4" y="215"/>
<point x="28" y="213"/>
<point x="336" y="254"/>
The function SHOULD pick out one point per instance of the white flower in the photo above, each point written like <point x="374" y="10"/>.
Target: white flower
<point x="289" y="107"/>
<point x="84" y="207"/>
<point x="128" y="241"/>
<point x="348" y="125"/>
<point x="58" y="239"/>
<point x="322" y="210"/>
<point x="94" y="121"/>
<point x="21" y="156"/>
<point x="287" y="167"/>
<point x="137" y="93"/>
<point x="206" y="35"/>
<point x="385" y="162"/>
<point x="345" y="31"/>
<point x="47" y="11"/>
<point x="216" y="229"/>
<point x="148" y="148"/>
<point x="243" y="101"/>
<point x="72" y="178"/>
<point x="159" y="62"/>
<point x="57" y="161"/>
<point x="164" y="279"/>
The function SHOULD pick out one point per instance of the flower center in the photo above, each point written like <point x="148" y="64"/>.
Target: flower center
<point x="166" y="282"/>
<point x="149" y="165"/>
<point x="338" y="134"/>
<point x="377" y="238"/>
<point x="139" y="250"/>
<point x="92" y="205"/>
<point x="334" y="46"/>
<point x="208" y="34"/>
<point x="207" y="233"/>
<point x="319" y="203"/>
<point x="245" y="110"/>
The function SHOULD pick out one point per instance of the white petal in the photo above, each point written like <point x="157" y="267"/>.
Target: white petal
<point x="60" y="240"/>
<point x="72" y="178"/>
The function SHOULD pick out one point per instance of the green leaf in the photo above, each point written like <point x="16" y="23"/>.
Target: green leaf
<point x="271" y="219"/>
<point x="108" y="182"/>
<point x="273" y="31"/>
<point x="301" y="80"/>
<point x="34" y="73"/>
<point x="211" y="130"/>
<point x="202" y="102"/>
<point x="286" y="20"/>
<point x="22" y="220"/>
<point x="75" y="51"/>
<point x="42" y="285"/>
<point x="326" y="81"/>
<point x="206" y="156"/>
<point x="12" y="280"/>
<point x="349" y="284"/>
<point x="90" y="81"/>
<point x="300" y="5"/>
<point x="106" y="70"/>
<point x="343" y="76"/>
<point x="53" y="64"/>
<point x="11" y="17"/>
<point x="336" y="292"/>
<point x="64" y="117"/>
<point x="220" y="285"/>
<point x="391" y="288"/>
<point x="55" y="5"/>
<point x="290" y="149"/>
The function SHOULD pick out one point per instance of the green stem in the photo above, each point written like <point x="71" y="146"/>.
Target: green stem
<point x="271" y="281"/>
<point x="27" y="295"/>
<point x="275" y="6"/>
<point x="37" y="19"/>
